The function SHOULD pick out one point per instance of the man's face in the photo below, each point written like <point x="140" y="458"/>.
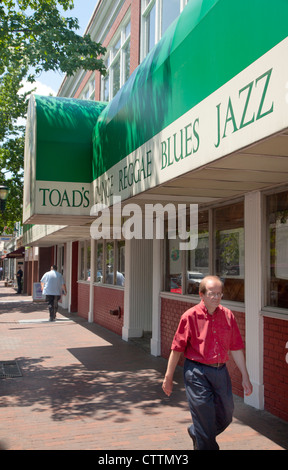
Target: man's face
<point x="213" y="295"/>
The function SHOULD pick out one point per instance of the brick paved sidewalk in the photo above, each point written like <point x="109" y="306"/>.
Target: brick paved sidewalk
<point x="83" y="387"/>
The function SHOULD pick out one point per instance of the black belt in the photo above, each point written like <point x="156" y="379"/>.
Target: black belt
<point x="216" y="365"/>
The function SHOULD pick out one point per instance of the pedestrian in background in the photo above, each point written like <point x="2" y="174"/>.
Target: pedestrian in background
<point x="19" y="279"/>
<point x="53" y="286"/>
<point x="205" y="334"/>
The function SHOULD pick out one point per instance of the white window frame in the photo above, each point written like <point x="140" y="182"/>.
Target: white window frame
<point x="146" y="7"/>
<point x="89" y="90"/>
<point x="111" y="59"/>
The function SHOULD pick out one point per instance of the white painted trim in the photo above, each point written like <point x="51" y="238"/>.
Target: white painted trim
<point x="92" y="277"/>
<point x="276" y="313"/>
<point x="68" y="273"/>
<point x="126" y="322"/>
<point x="155" y="343"/>
<point x="253" y="297"/>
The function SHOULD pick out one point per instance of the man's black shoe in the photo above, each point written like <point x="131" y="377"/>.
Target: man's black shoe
<point x="193" y="438"/>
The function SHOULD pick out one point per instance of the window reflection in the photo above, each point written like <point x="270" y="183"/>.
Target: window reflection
<point x="198" y="259"/>
<point x="170" y="11"/>
<point x="173" y="267"/>
<point x="99" y="263"/>
<point x="229" y="250"/>
<point x="277" y="207"/>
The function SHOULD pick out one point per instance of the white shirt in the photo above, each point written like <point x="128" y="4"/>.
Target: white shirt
<point x="53" y="282"/>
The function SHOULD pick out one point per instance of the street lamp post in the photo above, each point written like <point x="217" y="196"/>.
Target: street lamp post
<point x="4" y="191"/>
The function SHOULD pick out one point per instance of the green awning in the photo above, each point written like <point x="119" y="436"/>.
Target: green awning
<point x="64" y="138"/>
<point x="209" y="44"/>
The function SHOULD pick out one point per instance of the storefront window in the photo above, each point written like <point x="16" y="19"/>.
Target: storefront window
<point x="186" y="269"/>
<point x="99" y="263"/>
<point x="277" y="207"/>
<point x="198" y="259"/>
<point x="120" y="275"/>
<point x="173" y="281"/>
<point x="229" y="250"/>
<point x="88" y="263"/>
<point x="106" y="269"/>
<point x="85" y="261"/>
<point x="82" y="261"/>
<point x="109" y="275"/>
<point x="115" y="263"/>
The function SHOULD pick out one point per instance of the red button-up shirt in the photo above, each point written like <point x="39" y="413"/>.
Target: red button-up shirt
<point x="207" y="338"/>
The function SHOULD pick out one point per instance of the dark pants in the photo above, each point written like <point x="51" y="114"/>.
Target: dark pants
<point x="52" y="305"/>
<point x="210" y="399"/>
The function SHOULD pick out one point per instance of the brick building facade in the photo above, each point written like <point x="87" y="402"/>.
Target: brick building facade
<point x="189" y="120"/>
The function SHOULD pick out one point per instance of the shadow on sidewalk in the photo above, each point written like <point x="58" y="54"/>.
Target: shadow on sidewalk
<point x="109" y="381"/>
<point x="106" y="382"/>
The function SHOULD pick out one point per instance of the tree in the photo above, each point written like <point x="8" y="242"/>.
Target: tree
<point x="34" y="37"/>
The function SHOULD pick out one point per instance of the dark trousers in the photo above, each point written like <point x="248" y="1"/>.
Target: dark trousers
<point x="52" y="305"/>
<point x="210" y="399"/>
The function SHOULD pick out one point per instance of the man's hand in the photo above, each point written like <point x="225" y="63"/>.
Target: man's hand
<point x="246" y="384"/>
<point x="167" y="386"/>
<point x="239" y="359"/>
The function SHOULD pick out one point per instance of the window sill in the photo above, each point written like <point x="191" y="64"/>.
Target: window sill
<point x="97" y="284"/>
<point x="274" y="312"/>
<point x="194" y="299"/>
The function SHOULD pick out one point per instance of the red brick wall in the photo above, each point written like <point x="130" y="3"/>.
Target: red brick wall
<point x="276" y="367"/>
<point x="171" y="311"/>
<point x="135" y="34"/>
<point x="106" y="299"/>
<point x="83" y="299"/>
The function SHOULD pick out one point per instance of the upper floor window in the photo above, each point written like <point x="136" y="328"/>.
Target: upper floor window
<point x="117" y="62"/>
<point x="89" y="90"/>
<point x="157" y="15"/>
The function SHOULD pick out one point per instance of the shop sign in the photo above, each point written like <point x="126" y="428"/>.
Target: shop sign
<point x="247" y="109"/>
<point x="62" y="197"/>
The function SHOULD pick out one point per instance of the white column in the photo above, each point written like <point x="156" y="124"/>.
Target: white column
<point x="156" y="301"/>
<point x="127" y="290"/>
<point x="92" y="277"/>
<point x="68" y="274"/>
<point x="254" y="224"/>
<point x="138" y="288"/>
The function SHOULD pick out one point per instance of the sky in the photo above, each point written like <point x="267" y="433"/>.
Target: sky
<point x="49" y="82"/>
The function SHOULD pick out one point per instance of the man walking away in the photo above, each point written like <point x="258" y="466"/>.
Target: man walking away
<point x="52" y="285"/>
<point x="19" y="280"/>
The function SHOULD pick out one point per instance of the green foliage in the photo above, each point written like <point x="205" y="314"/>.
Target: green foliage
<point x="34" y="37"/>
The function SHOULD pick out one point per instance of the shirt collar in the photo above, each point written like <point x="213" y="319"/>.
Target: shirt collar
<point x="204" y="309"/>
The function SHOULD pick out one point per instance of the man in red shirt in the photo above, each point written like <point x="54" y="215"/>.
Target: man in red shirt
<point x="205" y="334"/>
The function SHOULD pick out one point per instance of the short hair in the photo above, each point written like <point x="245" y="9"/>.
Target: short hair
<point x="202" y="286"/>
<point x="54" y="267"/>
